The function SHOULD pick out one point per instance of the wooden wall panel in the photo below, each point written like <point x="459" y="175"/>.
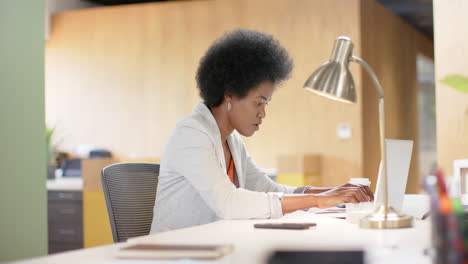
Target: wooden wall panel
<point x="121" y="77"/>
<point x="391" y="47"/>
<point x="451" y="57"/>
<point x="297" y="121"/>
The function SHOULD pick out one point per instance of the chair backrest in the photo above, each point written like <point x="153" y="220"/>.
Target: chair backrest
<point x="130" y="191"/>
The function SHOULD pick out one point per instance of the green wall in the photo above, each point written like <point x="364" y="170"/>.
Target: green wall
<point x="23" y="197"/>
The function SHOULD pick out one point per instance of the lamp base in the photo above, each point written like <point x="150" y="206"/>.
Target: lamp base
<point x="386" y="218"/>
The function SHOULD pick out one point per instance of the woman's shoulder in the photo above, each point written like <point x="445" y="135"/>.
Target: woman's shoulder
<point x="193" y="122"/>
<point x="192" y="129"/>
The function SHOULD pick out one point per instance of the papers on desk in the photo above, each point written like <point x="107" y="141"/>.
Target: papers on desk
<point x="333" y="212"/>
<point x="314" y="213"/>
<point x="415" y="205"/>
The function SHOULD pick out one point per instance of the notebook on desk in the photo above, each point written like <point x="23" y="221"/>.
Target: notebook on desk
<point x="167" y="251"/>
<point x="398" y="163"/>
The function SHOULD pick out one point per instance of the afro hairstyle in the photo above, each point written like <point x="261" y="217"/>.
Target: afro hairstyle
<point x="239" y="61"/>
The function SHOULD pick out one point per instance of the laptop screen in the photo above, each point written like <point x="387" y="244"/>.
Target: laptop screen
<point x="398" y="163"/>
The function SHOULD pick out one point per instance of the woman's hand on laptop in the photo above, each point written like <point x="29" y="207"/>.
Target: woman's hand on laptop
<point x="364" y="190"/>
<point x="361" y="192"/>
<point x="326" y="197"/>
<point x="343" y="194"/>
<point x="333" y="197"/>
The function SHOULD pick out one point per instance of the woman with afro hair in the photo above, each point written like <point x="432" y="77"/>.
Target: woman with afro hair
<point x="206" y="173"/>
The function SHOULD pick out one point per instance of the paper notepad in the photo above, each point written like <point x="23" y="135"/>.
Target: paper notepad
<point x="165" y="251"/>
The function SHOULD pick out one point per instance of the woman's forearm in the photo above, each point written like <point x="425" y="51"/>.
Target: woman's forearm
<point x="326" y="197"/>
<point x="323" y="199"/>
<point x="292" y="203"/>
<point x="313" y="190"/>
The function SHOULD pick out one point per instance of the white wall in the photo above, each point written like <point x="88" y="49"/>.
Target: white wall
<point x="451" y="57"/>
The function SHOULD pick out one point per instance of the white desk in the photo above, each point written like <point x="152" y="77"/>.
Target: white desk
<point x="65" y="184"/>
<point x="254" y="245"/>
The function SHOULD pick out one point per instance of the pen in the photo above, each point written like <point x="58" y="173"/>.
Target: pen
<point x="430" y="184"/>
<point x="441" y="182"/>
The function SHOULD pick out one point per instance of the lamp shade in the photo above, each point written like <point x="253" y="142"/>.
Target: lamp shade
<point x="333" y="79"/>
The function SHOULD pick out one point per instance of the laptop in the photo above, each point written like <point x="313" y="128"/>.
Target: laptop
<point x="398" y="163"/>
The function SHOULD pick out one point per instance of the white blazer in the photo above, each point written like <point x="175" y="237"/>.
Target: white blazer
<point x="194" y="188"/>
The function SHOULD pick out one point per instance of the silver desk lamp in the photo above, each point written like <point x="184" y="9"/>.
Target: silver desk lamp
<point x="334" y="80"/>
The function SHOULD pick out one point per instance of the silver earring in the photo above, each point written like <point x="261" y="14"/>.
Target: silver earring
<point x="229" y="106"/>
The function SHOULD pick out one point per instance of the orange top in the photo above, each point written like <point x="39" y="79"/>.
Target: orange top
<point x="230" y="171"/>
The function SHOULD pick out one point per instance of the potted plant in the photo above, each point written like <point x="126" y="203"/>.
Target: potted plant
<point x="50" y="154"/>
<point x="459" y="83"/>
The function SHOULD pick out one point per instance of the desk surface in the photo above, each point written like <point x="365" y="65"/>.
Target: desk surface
<point x="254" y="245"/>
<point x="65" y="184"/>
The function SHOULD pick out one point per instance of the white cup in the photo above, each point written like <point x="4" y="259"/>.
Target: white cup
<point x="362" y="181"/>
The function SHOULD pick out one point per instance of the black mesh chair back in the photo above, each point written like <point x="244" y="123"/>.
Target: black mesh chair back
<point x="130" y="191"/>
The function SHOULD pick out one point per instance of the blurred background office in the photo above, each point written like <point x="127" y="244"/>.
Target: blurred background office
<point x="106" y="81"/>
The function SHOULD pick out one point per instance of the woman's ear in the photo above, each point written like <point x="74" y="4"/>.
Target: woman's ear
<point x="228" y="98"/>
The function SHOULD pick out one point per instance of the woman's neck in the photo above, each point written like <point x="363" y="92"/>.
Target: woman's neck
<point x="222" y="120"/>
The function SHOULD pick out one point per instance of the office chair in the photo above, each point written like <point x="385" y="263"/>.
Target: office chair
<point x="130" y="191"/>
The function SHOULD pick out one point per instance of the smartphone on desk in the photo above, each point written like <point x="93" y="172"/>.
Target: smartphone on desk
<point x="296" y="226"/>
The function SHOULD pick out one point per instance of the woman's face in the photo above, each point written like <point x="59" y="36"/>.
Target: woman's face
<point x="246" y="114"/>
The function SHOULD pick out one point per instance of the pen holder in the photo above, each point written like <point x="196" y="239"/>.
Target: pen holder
<point x="449" y="237"/>
<point x="464" y="221"/>
<point x="449" y="224"/>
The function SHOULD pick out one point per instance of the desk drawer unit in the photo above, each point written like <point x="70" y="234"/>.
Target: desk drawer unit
<point x="65" y="212"/>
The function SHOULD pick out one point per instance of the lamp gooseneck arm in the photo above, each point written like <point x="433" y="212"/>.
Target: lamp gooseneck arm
<point x="371" y="73"/>
<point x="383" y="152"/>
